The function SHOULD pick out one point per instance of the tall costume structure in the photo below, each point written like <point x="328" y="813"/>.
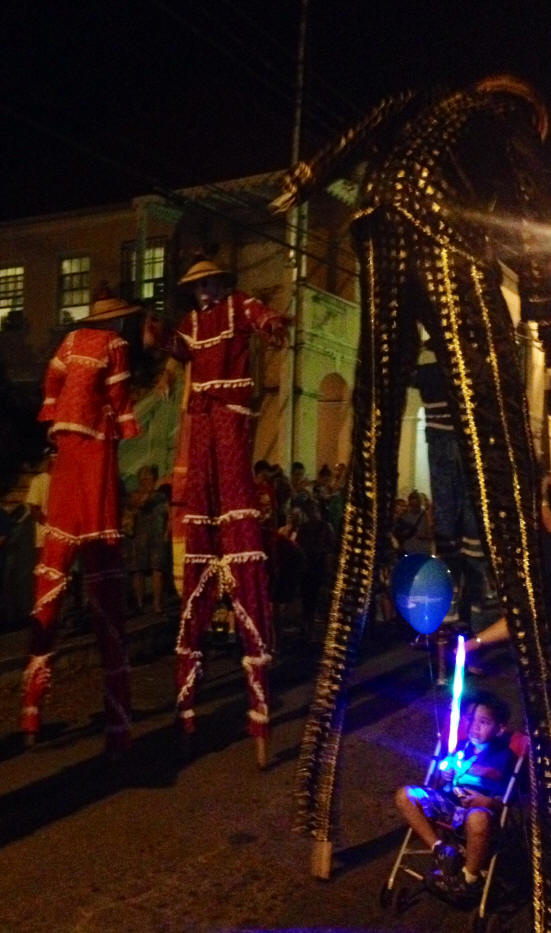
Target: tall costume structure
<point x="87" y="401"/>
<point x="452" y="183"/>
<point x="215" y="519"/>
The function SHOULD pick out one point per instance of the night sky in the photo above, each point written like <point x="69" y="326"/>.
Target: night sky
<point x="103" y="100"/>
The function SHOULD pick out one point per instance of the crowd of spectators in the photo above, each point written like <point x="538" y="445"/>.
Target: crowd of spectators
<point x="300" y="521"/>
<point x="301" y="525"/>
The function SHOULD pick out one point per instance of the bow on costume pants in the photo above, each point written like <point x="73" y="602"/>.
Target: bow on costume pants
<point x="83" y="519"/>
<point x="408" y="276"/>
<point x="223" y="555"/>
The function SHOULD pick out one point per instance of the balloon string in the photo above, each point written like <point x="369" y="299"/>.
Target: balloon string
<point x="433" y="687"/>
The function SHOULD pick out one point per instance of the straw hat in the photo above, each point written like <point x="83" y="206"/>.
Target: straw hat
<point x="108" y="306"/>
<point x="203" y="269"/>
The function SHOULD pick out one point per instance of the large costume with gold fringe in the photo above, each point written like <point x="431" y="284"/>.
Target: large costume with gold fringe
<point x="429" y="230"/>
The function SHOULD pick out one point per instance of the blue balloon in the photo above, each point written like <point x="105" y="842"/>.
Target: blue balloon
<point x="422" y="590"/>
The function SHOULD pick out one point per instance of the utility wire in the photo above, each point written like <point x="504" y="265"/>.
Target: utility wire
<point x="180" y="199"/>
<point x="313" y="235"/>
<point x="155" y="185"/>
<point x="282" y="51"/>
<point x="242" y="61"/>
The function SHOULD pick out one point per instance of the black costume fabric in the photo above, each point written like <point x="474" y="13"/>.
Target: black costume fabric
<point x="449" y="185"/>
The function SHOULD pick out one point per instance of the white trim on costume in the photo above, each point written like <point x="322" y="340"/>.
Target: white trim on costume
<point x="241" y="410"/>
<point x="233" y="515"/>
<point x="118" y="377"/>
<point x="192" y="340"/>
<point x="88" y="360"/>
<point x="109" y="534"/>
<point x="79" y="428"/>
<point x="244" y="383"/>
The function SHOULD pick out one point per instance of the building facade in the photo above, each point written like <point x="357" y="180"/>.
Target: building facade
<point x="51" y="267"/>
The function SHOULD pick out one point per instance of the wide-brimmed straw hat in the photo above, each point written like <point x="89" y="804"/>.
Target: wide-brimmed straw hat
<point x="109" y="307"/>
<point x="203" y="269"/>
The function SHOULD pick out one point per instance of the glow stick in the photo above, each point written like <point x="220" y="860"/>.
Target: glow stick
<point x="457" y="691"/>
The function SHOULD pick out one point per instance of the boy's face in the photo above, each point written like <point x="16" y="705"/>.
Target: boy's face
<point x="483" y="726"/>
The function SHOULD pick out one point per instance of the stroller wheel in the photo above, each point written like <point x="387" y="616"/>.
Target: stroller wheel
<point x="491" y="923"/>
<point x="386" y="896"/>
<point x="404" y="900"/>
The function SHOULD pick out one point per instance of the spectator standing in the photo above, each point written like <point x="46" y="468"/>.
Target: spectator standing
<point x="37" y="498"/>
<point x="149" y="538"/>
<point x="316" y="540"/>
<point x="323" y="490"/>
<point x="412" y="530"/>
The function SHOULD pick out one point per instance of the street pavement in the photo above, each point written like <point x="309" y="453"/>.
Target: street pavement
<point x="164" y="844"/>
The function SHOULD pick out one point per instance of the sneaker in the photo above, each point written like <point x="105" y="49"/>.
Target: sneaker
<point x="447" y="859"/>
<point x="455" y="888"/>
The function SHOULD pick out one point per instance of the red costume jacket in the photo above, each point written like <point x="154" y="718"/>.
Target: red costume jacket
<point x="87" y="386"/>
<point x="217" y="341"/>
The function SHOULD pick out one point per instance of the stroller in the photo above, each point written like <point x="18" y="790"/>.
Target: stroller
<point x="410" y="857"/>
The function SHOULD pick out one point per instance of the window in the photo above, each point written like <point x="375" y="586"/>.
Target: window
<point x="11" y="293"/>
<point x="153" y="268"/>
<point x="74" y="289"/>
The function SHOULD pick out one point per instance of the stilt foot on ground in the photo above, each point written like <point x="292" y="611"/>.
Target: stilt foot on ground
<point x="320" y="865"/>
<point x="261" y="750"/>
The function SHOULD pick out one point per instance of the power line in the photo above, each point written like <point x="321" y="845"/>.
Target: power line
<point x="180" y="199"/>
<point x="235" y="8"/>
<point x="273" y="82"/>
<point x="317" y="237"/>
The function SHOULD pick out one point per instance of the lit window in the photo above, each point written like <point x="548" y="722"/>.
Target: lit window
<point x="11" y="291"/>
<point x="153" y="268"/>
<point x="74" y="289"/>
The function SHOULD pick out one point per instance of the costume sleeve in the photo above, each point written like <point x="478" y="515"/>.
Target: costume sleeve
<point x="117" y="382"/>
<point x="53" y="384"/>
<point x="256" y="316"/>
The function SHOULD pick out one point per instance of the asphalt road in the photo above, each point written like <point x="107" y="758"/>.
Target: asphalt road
<point x="160" y="845"/>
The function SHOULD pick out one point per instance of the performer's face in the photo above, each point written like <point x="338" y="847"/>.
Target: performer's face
<point x="208" y="290"/>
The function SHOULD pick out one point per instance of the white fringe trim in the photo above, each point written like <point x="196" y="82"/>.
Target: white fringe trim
<point x="91" y="361"/>
<point x="243" y="411"/>
<point x="79" y="428"/>
<point x="49" y="596"/>
<point x="117" y="342"/>
<point x="194" y="343"/>
<point x="258" y="717"/>
<point x="222" y="384"/>
<point x="233" y="515"/>
<point x="42" y="570"/>
<point x="111" y="534"/>
<point x="118" y="377"/>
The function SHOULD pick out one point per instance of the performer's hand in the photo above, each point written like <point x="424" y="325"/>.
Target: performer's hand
<point x="278" y="332"/>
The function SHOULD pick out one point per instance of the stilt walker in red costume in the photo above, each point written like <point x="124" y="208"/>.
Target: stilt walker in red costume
<point x="87" y="401"/>
<point x="215" y="520"/>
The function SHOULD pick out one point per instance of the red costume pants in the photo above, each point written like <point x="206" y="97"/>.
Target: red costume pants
<point x="83" y="518"/>
<point x="223" y="554"/>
